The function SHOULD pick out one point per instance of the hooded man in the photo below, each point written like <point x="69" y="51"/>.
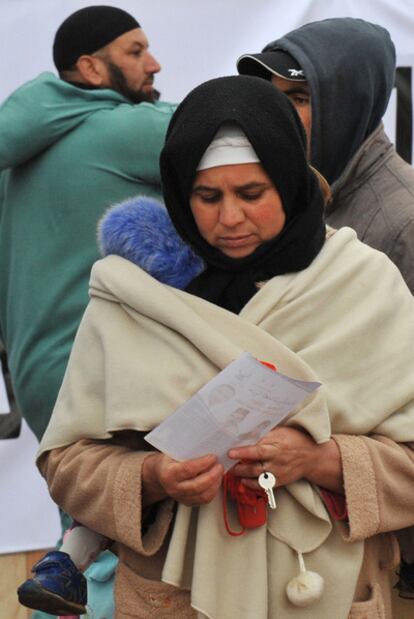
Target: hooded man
<point x="339" y="74"/>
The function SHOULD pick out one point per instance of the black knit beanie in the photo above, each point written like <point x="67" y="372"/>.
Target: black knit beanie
<point x="87" y="30"/>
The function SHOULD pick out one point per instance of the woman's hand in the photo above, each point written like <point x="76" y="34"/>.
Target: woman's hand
<point x="290" y="454"/>
<point x="192" y="482"/>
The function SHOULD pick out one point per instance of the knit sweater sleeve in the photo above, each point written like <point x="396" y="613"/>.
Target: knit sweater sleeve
<point x="378" y="481"/>
<point x="99" y="484"/>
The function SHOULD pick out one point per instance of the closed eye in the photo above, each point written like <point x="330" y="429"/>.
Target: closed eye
<point x="253" y="191"/>
<point x="251" y="196"/>
<point x="207" y="195"/>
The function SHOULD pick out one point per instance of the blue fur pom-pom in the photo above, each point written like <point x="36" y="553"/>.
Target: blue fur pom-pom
<point x="141" y="231"/>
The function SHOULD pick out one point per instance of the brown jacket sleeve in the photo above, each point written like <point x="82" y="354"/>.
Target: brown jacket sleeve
<point x="99" y="484"/>
<point x="378" y="481"/>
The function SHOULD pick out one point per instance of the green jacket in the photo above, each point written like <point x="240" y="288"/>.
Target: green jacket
<point x="66" y="154"/>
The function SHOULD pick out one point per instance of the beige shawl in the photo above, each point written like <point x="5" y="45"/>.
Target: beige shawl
<point x="144" y="348"/>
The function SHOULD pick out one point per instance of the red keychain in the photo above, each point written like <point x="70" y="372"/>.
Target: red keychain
<point x="251" y="504"/>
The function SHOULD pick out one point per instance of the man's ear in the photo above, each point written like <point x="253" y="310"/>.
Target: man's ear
<point x="93" y="70"/>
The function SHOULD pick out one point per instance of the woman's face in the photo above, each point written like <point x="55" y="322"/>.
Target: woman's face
<point x="236" y="208"/>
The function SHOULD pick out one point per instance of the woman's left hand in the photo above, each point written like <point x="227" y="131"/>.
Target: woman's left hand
<point x="289" y="454"/>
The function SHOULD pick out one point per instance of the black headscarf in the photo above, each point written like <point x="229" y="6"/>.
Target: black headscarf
<point x="276" y="134"/>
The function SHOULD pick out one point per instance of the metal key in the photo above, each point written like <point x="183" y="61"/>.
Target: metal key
<point x="267" y="481"/>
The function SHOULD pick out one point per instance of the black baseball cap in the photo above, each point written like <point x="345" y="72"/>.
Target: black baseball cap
<point x="266" y="64"/>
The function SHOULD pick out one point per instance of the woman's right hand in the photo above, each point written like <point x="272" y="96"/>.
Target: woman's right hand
<point x="192" y="482"/>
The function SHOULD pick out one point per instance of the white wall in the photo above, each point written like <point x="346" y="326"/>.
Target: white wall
<point x="193" y="39"/>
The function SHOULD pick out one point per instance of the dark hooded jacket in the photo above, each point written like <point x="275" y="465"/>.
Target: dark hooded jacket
<point x="350" y="67"/>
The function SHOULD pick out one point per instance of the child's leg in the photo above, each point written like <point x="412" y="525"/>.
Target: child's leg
<point x="58" y="585"/>
<point x="83" y="545"/>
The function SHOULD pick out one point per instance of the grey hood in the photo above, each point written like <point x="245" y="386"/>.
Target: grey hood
<point x="350" y="67"/>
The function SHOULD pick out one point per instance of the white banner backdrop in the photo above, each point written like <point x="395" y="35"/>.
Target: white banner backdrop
<point x="193" y="41"/>
<point x="29" y="520"/>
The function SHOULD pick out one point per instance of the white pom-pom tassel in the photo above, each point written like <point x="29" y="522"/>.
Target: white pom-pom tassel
<point x="305" y="588"/>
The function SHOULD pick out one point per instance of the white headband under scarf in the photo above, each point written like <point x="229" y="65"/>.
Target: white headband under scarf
<point x="229" y="146"/>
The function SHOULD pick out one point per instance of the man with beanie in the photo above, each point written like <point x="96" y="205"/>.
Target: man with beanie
<point x="70" y="147"/>
<point x="105" y="47"/>
<point x="339" y="74"/>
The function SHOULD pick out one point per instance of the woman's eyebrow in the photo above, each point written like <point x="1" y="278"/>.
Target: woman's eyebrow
<point x="203" y="188"/>
<point x="254" y="185"/>
<point x="246" y="186"/>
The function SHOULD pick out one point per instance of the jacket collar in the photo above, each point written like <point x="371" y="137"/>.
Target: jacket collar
<point x="371" y="155"/>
